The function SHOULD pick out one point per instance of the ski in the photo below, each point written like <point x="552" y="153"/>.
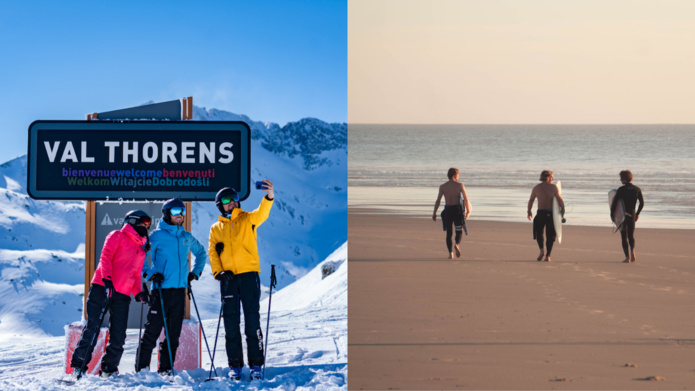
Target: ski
<point x="66" y="382"/>
<point x="72" y="382"/>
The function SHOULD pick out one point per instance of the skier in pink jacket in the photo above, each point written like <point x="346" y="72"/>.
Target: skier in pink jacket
<point x="116" y="277"/>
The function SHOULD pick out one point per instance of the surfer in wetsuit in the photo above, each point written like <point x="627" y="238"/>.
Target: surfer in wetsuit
<point x="544" y="191"/>
<point x="629" y="194"/>
<point x="452" y="215"/>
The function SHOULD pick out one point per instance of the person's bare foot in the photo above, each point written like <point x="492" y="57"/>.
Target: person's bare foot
<point x="547" y="259"/>
<point x="627" y="260"/>
<point x="458" y="251"/>
<point x="633" y="258"/>
<point x="451" y="255"/>
<point x="540" y="256"/>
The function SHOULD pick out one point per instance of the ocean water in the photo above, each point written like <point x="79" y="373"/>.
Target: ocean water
<point x="398" y="168"/>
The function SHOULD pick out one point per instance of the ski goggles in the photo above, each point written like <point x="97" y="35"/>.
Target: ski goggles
<point x="229" y="198"/>
<point x="146" y="221"/>
<point x="177" y="210"/>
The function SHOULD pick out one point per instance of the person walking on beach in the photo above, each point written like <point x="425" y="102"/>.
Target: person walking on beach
<point x="171" y="244"/>
<point x="544" y="192"/>
<point x="453" y="215"/>
<point x="234" y="259"/>
<point x="116" y="277"/>
<point x="629" y="194"/>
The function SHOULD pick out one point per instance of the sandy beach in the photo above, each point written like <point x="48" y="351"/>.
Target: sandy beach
<point x="495" y="318"/>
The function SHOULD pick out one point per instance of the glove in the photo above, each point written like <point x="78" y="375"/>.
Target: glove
<point x="108" y="284"/>
<point x="219" y="247"/>
<point x="192" y="276"/>
<point x="157" y="278"/>
<point x="142" y="297"/>
<point x="225" y="276"/>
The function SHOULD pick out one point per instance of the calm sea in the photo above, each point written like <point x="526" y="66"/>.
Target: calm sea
<point x="399" y="168"/>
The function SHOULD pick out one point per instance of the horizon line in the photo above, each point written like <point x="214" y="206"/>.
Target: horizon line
<point x="520" y="123"/>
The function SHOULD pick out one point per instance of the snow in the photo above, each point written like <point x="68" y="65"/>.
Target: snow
<point x="313" y="290"/>
<point x="42" y="271"/>
<point x="307" y="347"/>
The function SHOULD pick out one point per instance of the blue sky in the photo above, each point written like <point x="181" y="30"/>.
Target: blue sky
<point x="275" y="61"/>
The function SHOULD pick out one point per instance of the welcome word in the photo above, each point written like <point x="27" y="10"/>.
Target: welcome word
<point x="163" y="173"/>
<point x="150" y="152"/>
<point x="138" y="182"/>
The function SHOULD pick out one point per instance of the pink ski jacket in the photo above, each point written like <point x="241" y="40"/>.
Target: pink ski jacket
<point x="121" y="261"/>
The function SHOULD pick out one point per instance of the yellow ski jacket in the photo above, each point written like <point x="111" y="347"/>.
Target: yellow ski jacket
<point x="238" y="233"/>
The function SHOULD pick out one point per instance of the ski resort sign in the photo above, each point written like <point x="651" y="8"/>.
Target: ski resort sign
<point x="137" y="160"/>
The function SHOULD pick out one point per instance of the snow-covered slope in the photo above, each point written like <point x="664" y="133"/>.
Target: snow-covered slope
<point x="307" y="346"/>
<point x="41" y="242"/>
<point x="316" y="291"/>
<point x="29" y="224"/>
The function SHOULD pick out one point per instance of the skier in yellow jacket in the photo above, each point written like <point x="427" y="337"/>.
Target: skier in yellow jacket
<point x="235" y="263"/>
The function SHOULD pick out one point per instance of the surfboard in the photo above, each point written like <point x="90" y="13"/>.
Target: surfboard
<point x="462" y="204"/>
<point x="618" y="217"/>
<point x="557" y="217"/>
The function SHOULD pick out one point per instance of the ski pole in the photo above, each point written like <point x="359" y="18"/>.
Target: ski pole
<point x="191" y="296"/>
<point x="214" y="348"/>
<point x="219" y="247"/>
<point x="166" y="329"/>
<point x="273" y="283"/>
<point x="142" y="306"/>
<point x="94" y="337"/>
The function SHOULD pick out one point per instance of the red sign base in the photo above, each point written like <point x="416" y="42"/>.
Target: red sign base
<point x="188" y="355"/>
<point x="73" y="332"/>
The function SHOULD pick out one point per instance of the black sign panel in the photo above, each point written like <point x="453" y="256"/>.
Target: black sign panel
<point x="137" y="160"/>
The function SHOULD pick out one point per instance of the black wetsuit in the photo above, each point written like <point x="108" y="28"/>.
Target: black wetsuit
<point x="452" y="215"/>
<point x="544" y="219"/>
<point x="629" y="194"/>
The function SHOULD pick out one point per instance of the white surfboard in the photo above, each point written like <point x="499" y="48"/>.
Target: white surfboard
<point x="557" y="217"/>
<point x="619" y="212"/>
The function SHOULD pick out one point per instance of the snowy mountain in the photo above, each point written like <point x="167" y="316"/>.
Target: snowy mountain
<point x="42" y="242"/>
<point x="308" y="138"/>
<point x="307" y="345"/>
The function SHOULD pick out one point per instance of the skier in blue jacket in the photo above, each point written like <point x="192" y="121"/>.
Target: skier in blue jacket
<point x="171" y="244"/>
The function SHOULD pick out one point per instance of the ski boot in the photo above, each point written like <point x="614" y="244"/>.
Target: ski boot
<point x="106" y="375"/>
<point x="256" y="373"/>
<point x="143" y="369"/>
<point x="77" y="373"/>
<point x="235" y="374"/>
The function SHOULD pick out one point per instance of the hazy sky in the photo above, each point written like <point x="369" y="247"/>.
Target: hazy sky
<point x="531" y="61"/>
<point x="273" y="60"/>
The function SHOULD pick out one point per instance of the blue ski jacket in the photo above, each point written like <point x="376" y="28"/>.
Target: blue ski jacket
<point x="169" y="255"/>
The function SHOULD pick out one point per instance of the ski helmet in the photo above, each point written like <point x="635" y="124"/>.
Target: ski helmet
<point x="177" y="205"/>
<point x="228" y="194"/>
<point x="135" y="217"/>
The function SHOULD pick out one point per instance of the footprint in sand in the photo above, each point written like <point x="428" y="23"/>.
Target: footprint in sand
<point x="559" y="379"/>
<point x="648" y="329"/>
<point x="650" y="378"/>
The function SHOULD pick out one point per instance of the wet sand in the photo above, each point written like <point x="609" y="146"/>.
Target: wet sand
<point x="498" y="319"/>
